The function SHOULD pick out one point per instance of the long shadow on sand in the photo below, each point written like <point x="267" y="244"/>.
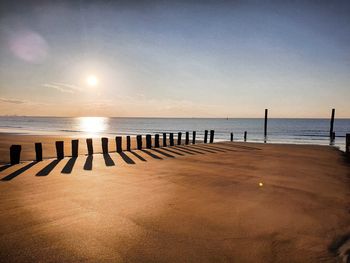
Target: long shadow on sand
<point x="126" y="158"/>
<point x="48" y="168"/>
<point x="151" y="154"/>
<point x="67" y="169"/>
<point x="204" y="149"/>
<point x="190" y="150"/>
<point x="138" y="156"/>
<point x="172" y="151"/>
<point x="88" y="163"/>
<point x="108" y="160"/>
<point x="18" y="172"/>
<point x="4" y="167"/>
<point x="163" y="153"/>
<point x="184" y="150"/>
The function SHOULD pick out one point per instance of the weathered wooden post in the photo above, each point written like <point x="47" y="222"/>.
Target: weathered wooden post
<point x="211" y="140"/>
<point x="15" y="154"/>
<point x="128" y="143"/>
<point x="139" y="142"/>
<point x="104" y="142"/>
<point x="347" y="144"/>
<point x="205" y="136"/>
<point x="38" y="151"/>
<point x="118" y="144"/>
<point x="148" y="141"/>
<point x="171" y="139"/>
<point x="187" y="140"/>
<point x="194" y="137"/>
<point x="89" y="146"/>
<point x="179" y="138"/>
<point x="75" y="146"/>
<point x="245" y="136"/>
<point x="231" y="137"/>
<point x="164" y="139"/>
<point x="265" y="125"/>
<point x="156" y="140"/>
<point x="332" y="124"/>
<point x="59" y="150"/>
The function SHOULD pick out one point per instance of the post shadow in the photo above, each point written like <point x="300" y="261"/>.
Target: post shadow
<point x="126" y="158"/>
<point x="4" y="167"/>
<point x="164" y="153"/>
<point x="138" y="156"/>
<point x="108" y="159"/>
<point x="152" y="155"/>
<point x="172" y="151"/>
<point x="181" y="149"/>
<point x="88" y="163"/>
<point x="213" y="148"/>
<point x="204" y="149"/>
<point x="18" y="172"/>
<point x="48" y="168"/>
<point x="67" y="169"/>
<point x="191" y="150"/>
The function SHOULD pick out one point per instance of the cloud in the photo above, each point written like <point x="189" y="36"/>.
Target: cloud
<point x="13" y="101"/>
<point x="62" y="87"/>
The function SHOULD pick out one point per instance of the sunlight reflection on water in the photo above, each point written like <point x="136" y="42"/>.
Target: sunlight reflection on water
<point x="93" y="125"/>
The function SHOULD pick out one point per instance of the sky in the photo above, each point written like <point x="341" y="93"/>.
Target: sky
<point x="175" y="58"/>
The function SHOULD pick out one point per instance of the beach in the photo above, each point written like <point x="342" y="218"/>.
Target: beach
<point x="221" y="202"/>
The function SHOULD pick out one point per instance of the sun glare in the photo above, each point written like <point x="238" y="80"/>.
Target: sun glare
<point x="92" y="80"/>
<point x="93" y="125"/>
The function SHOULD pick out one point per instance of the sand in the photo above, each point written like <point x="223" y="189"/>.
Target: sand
<point x="199" y="203"/>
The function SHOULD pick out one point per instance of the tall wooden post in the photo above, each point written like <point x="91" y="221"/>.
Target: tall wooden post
<point x="164" y="139"/>
<point x="171" y="139"/>
<point x="15" y="154"/>
<point x="194" y="137"/>
<point x="205" y="136"/>
<point x="265" y="125"/>
<point x="148" y="141"/>
<point x="118" y="143"/>
<point x="75" y="145"/>
<point x="332" y="124"/>
<point x="139" y="141"/>
<point x="347" y="144"/>
<point x="128" y="143"/>
<point x="59" y="150"/>
<point x="179" y="135"/>
<point x="231" y="137"/>
<point x="211" y="140"/>
<point x="89" y="146"/>
<point x="156" y="140"/>
<point x="38" y="151"/>
<point x="104" y="142"/>
<point x="187" y="140"/>
<point x="245" y="136"/>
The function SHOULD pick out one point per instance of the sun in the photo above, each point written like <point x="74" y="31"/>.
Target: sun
<point x="92" y="80"/>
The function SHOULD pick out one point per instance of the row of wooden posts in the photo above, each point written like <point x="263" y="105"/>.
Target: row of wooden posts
<point x="15" y="150"/>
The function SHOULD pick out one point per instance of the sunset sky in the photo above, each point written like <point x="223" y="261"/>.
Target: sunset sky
<point x="179" y="59"/>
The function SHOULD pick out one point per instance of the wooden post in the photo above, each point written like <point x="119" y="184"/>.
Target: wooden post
<point x="118" y="144"/>
<point x="187" y="141"/>
<point x="194" y="137"/>
<point x="231" y="137"/>
<point x="171" y="139"/>
<point x="75" y="146"/>
<point x="139" y="141"/>
<point x="156" y="140"/>
<point x="211" y="140"/>
<point x="332" y="124"/>
<point x="15" y="154"/>
<point x="179" y="138"/>
<point x="59" y="150"/>
<point x="128" y="143"/>
<point x="205" y="136"/>
<point x="347" y="144"/>
<point x="245" y="136"/>
<point x="38" y="151"/>
<point x="148" y="141"/>
<point x="89" y="146"/>
<point x="164" y="139"/>
<point x="104" y="142"/>
<point x="265" y="125"/>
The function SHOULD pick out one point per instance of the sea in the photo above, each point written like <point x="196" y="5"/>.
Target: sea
<point x="292" y="131"/>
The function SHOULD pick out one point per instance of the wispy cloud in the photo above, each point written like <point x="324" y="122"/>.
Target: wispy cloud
<point x="62" y="87"/>
<point x="13" y="101"/>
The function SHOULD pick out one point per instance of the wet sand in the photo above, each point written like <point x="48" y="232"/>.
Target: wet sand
<point x="198" y="203"/>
